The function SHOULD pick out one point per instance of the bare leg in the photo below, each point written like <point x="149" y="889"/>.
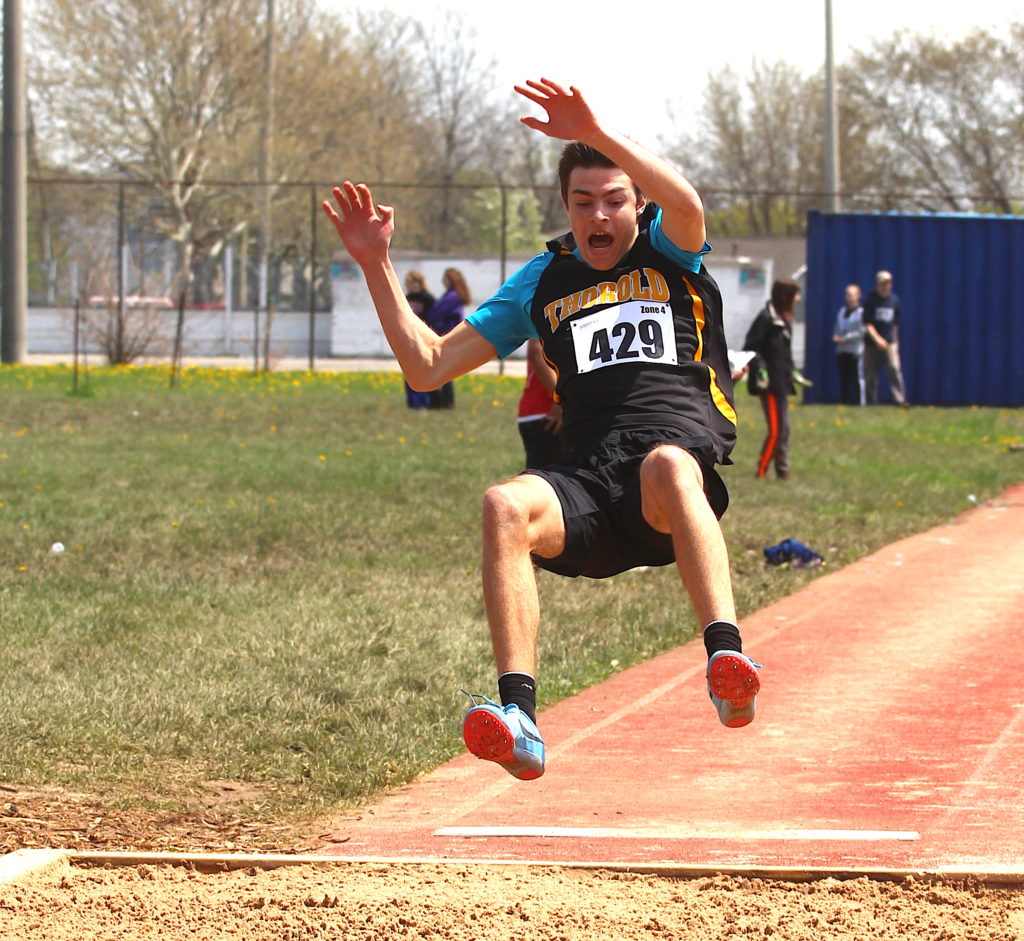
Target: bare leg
<point x="672" y="490"/>
<point x="520" y="516"/>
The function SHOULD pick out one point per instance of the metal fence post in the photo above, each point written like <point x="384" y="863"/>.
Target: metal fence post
<point x="313" y="213"/>
<point x="122" y="242"/>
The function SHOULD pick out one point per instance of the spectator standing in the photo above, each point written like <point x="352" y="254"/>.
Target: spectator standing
<point x="420" y="300"/>
<point x="540" y="416"/>
<point x="882" y="340"/>
<point x="848" y="336"/>
<point x="772" y="374"/>
<point x="444" y="316"/>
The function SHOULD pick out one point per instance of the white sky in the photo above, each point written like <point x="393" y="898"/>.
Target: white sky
<point x="631" y="56"/>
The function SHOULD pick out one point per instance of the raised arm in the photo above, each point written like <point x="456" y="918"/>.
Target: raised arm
<point x="570" y="118"/>
<point x="428" y="360"/>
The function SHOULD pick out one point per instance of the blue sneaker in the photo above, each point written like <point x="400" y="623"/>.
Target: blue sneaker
<point x="733" y="685"/>
<point x="504" y="734"/>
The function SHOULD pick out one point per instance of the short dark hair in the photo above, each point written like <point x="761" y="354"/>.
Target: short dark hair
<point x="577" y="154"/>
<point x="784" y="292"/>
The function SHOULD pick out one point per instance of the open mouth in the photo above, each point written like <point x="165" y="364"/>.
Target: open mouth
<point x="600" y="240"/>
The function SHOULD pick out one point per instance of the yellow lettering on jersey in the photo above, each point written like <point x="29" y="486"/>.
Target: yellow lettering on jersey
<point x="658" y="284"/>
<point x="551" y="312"/>
<point x="629" y="286"/>
<point x="640" y="293"/>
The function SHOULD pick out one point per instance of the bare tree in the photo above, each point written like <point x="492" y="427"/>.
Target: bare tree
<point x="152" y="90"/>
<point x="942" y="123"/>
<point x="757" y="149"/>
<point x="462" y="116"/>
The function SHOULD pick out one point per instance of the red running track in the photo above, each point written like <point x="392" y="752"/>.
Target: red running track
<point x="889" y="735"/>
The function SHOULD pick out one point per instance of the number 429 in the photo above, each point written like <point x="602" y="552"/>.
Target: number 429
<point x="625" y="341"/>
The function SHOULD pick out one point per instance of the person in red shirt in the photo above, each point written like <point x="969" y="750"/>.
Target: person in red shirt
<point x="540" y="416"/>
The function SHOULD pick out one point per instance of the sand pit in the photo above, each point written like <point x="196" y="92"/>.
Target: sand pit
<point x="489" y="903"/>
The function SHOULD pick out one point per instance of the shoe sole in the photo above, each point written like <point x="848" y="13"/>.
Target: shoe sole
<point x="736" y="681"/>
<point x="489" y="738"/>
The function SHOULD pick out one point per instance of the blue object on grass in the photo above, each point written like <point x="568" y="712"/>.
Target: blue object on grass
<point x="793" y="553"/>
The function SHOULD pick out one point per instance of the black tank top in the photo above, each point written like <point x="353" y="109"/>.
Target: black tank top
<point x="639" y="347"/>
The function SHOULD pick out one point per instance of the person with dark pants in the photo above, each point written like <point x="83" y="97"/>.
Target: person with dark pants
<point x="771" y="377"/>
<point x="882" y="341"/>
<point x="420" y="300"/>
<point x="448" y="311"/>
<point x="540" y="417"/>
<point x="848" y="336"/>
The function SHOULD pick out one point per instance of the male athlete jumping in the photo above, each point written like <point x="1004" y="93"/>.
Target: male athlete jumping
<point x="631" y="321"/>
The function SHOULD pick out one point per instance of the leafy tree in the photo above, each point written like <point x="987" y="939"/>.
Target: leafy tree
<point x="481" y="220"/>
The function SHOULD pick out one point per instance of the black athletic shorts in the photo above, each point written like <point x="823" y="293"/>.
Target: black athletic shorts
<point x="599" y="490"/>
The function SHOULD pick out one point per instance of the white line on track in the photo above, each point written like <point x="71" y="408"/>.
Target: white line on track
<point x="670" y="833"/>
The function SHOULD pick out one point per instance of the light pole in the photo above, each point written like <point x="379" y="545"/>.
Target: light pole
<point x="14" y="267"/>
<point x="833" y="201"/>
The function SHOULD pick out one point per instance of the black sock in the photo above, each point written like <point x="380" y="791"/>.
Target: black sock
<point x="521" y="689"/>
<point x="721" y="635"/>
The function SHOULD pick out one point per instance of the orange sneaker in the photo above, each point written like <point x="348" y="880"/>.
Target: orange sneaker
<point x="733" y="685"/>
<point x="505" y="735"/>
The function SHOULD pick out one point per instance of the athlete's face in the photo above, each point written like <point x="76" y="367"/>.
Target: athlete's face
<point x="603" y="211"/>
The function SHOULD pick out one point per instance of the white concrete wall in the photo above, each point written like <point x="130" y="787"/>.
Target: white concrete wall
<point x="352" y="329"/>
<point x="355" y="330"/>
<point x="206" y="332"/>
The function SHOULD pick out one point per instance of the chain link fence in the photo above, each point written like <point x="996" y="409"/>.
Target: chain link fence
<point x="148" y="269"/>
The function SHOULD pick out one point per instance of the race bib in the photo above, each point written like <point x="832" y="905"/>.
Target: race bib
<point x="633" y="332"/>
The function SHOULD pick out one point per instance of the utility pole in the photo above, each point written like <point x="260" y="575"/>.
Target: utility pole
<point x="265" y="164"/>
<point x="14" y="267"/>
<point x="833" y="201"/>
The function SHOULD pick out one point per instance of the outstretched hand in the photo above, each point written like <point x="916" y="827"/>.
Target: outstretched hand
<point x="569" y="115"/>
<point x="365" y="229"/>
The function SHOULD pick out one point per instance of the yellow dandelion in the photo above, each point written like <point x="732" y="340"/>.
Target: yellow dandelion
<point x="323" y="457"/>
<point x="175" y="523"/>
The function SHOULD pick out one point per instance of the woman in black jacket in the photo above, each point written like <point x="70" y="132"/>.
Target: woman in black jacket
<point x="771" y="375"/>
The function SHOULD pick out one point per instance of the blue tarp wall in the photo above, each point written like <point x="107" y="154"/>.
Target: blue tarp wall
<point x="960" y="281"/>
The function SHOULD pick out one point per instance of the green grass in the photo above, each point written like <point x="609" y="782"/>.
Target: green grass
<point x="275" y="578"/>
